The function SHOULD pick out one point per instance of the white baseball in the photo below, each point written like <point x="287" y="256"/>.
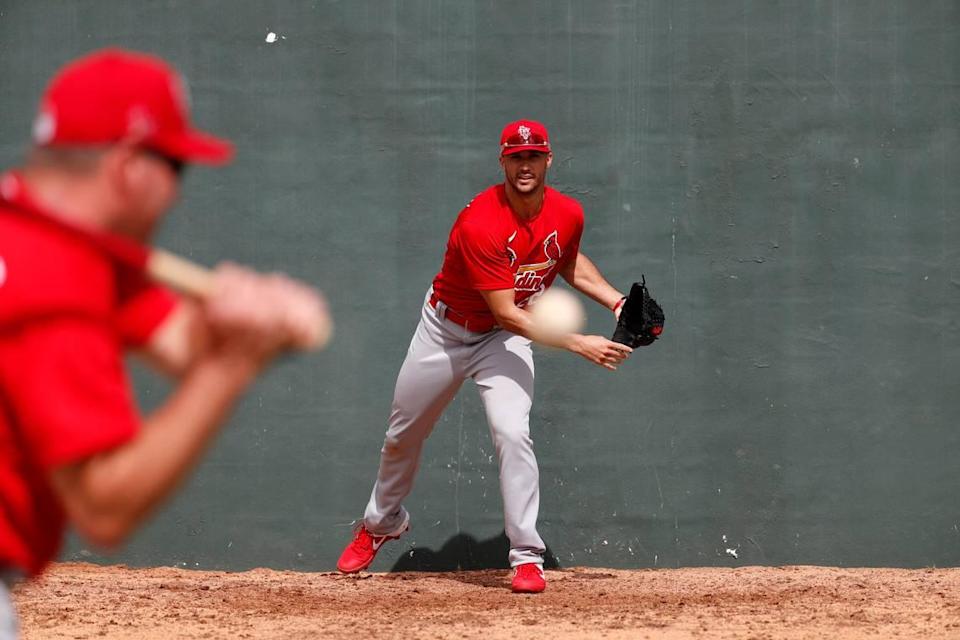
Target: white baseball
<point x="559" y="311"/>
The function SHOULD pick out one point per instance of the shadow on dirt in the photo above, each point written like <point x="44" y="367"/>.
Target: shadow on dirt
<point x="463" y="552"/>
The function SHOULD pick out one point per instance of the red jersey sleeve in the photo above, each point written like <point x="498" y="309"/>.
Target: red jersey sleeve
<point x="573" y="246"/>
<point x="142" y="312"/>
<point x="70" y="392"/>
<point x="485" y="260"/>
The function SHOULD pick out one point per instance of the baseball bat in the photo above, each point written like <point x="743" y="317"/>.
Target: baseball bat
<point x="178" y="273"/>
<point x="190" y="278"/>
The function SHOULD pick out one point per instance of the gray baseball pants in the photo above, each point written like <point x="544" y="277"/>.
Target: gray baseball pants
<point x="442" y="355"/>
<point x="8" y="615"/>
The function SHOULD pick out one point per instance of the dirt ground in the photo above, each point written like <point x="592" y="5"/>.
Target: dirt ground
<point x="87" y="601"/>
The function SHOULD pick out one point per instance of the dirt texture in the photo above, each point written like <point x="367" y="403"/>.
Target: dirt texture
<point x="87" y="601"/>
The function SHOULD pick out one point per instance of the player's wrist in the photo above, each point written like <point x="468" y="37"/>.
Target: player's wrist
<point x="231" y="369"/>
<point x="573" y="342"/>
<point x="618" y="305"/>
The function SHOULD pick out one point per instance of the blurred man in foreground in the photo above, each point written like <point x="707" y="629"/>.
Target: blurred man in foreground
<point x="110" y="142"/>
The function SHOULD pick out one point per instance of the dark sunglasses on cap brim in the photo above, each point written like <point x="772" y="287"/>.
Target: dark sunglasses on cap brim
<point x="532" y="140"/>
<point x="176" y="165"/>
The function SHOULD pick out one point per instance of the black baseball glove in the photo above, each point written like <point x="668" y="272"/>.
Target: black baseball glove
<point x="641" y="319"/>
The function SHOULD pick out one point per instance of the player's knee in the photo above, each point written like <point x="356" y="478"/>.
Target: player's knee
<point x="401" y="441"/>
<point x="508" y="439"/>
<point x="394" y="444"/>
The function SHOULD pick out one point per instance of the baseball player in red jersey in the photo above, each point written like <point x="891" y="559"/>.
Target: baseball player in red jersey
<point x="110" y="141"/>
<point x="506" y="247"/>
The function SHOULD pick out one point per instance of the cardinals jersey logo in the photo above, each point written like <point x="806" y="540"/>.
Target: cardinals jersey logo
<point x="551" y="250"/>
<point x="529" y="276"/>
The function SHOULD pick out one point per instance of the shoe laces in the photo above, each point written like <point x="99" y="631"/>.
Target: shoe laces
<point x="529" y="570"/>
<point x="361" y="537"/>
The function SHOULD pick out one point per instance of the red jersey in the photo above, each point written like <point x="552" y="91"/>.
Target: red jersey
<point x="67" y="311"/>
<point x="491" y="248"/>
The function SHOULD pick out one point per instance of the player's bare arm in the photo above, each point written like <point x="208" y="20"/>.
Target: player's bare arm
<point x="108" y="495"/>
<point x="186" y="334"/>
<point x="176" y="344"/>
<point x="596" y="349"/>
<point x="584" y="276"/>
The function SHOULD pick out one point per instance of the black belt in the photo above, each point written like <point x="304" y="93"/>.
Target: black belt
<point x="461" y="319"/>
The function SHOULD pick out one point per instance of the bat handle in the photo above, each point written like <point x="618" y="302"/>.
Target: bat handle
<point x="179" y="274"/>
<point x="191" y="279"/>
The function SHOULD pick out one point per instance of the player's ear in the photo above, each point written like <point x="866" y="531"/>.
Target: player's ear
<point x="549" y="159"/>
<point x="118" y="166"/>
<point x="131" y="173"/>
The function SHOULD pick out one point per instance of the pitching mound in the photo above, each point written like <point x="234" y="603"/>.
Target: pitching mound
<point x="87" y="601"/>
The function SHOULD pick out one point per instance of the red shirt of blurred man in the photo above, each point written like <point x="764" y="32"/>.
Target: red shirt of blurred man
<point x="110" y="140"/>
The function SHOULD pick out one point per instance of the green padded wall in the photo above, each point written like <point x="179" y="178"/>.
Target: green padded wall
<point x="785" y="173"/>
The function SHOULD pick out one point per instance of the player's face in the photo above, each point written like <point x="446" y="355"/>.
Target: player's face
<point x="526" y="171"/>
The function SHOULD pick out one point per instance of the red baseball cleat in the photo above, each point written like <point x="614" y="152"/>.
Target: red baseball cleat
<point x="528" y="578"/>
<point x="363" y="548"/>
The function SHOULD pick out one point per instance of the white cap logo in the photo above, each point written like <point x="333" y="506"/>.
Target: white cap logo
<point x="3" y="271"/>
<point x="524" y="132"/>
<point x="140" y="123"/>
<point x="44" y="126"/>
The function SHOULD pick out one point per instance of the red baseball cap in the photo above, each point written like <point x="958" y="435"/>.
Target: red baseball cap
<point x="115" y="95"/>
<point x="524" y="135"/>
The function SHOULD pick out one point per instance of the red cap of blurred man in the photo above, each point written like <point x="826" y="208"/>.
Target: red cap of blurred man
<point x="120" y="96"/>
<point x="524" y="135"/>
